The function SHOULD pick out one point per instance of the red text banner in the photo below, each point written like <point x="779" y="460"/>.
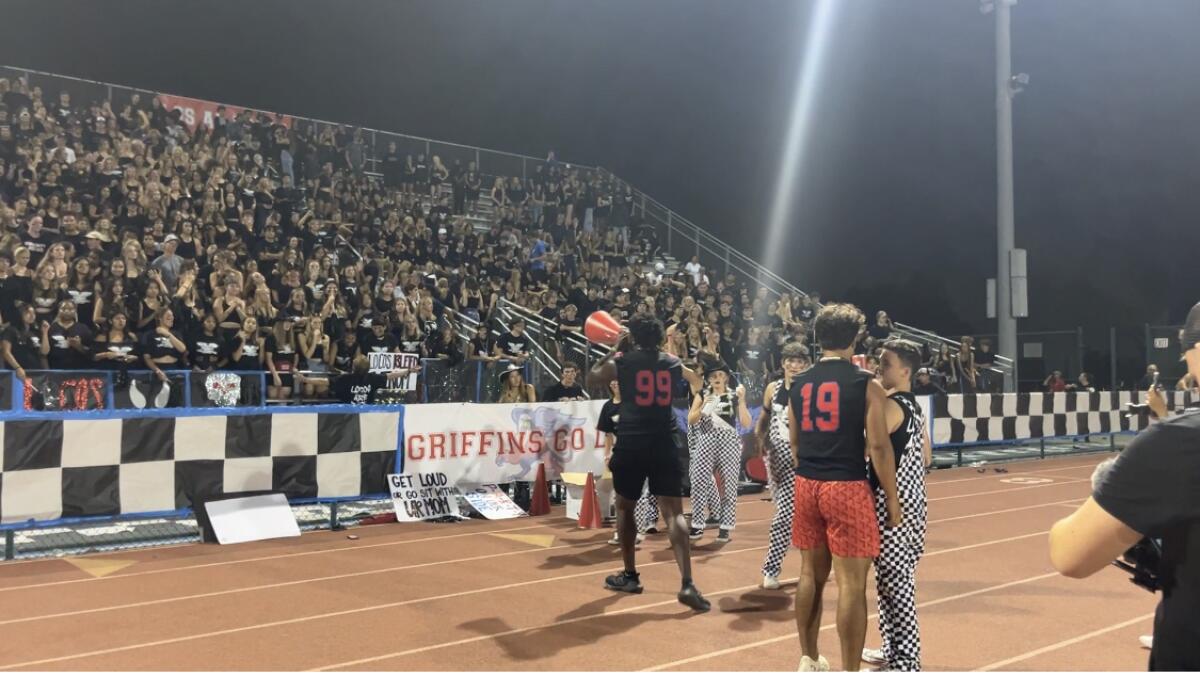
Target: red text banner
<point x="475" y="444"/>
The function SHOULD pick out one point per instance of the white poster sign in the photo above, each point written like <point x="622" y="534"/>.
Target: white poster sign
<point x="477" y="444"/>
<point x="492" y="503"/>
<point x="385" y="363"/>
<point x="422" y="496"/>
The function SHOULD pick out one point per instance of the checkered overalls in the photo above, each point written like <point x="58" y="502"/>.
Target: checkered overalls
<point x="715" y="447"/>
<point x="782" y="473"/>
<point x="901" y="548"/>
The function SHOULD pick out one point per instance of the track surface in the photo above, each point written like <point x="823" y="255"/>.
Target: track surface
<point x="467" y="597"/>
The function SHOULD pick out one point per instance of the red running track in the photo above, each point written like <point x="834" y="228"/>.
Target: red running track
<point x="469" y="597"/>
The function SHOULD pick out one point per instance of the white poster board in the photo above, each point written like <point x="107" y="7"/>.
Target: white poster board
<point x="489" y="501"/>
<point x="385" y="363"/>
<point x="255" y="518"/>
<point x="422" y="496"/>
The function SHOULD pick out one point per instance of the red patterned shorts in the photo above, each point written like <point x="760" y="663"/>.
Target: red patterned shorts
<point x="838" y="514"/>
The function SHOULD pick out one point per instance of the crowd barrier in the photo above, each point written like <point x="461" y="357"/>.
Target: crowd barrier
<point x="1012" y="417"/>
<point x="65" y="465"/>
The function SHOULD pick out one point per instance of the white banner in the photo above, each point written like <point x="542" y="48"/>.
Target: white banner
<point x="492" y="503"/>
<point x="422" y="496"/>
<point x="476" y="444"/>
<point x="384" y="363"/>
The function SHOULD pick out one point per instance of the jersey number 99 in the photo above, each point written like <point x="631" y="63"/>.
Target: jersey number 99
<point x="652" y="388"/>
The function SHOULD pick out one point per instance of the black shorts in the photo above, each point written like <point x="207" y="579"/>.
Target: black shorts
<point x="658" y="458"/>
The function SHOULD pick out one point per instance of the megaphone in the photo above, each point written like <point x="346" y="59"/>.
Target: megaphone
<point x="601" y="327"/>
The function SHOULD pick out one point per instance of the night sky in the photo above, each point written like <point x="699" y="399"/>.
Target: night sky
<point x="689" y="100"/>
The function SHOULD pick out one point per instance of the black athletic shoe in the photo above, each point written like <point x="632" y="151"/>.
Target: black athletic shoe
<point x="712" y="523"/>
<point x="723" y="536"/>
<point x="623" y="581"/>
<point x="652" y="530"/>
<point x="689" y="596"/>
<point x="696" y="534"/>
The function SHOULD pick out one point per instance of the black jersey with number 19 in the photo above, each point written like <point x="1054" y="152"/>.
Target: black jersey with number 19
<point x="829" y="402"/>
<point x="646" y="381"/>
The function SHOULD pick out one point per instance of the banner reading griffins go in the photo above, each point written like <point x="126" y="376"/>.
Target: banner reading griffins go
<point x="476" y="444"/>
<point x="200" y="112"/>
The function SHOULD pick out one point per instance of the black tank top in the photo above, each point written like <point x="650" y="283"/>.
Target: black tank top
<point x="830" y="405"/>
<point x="903" y="444"/>
<point x="646" y="381"/>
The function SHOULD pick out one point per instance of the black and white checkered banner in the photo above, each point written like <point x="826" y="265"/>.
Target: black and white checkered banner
<point x="94" y="464"/>
<point x="960" y="419"/>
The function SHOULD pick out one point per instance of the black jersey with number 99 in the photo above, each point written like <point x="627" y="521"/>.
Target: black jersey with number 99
<point x="647" y="381"/>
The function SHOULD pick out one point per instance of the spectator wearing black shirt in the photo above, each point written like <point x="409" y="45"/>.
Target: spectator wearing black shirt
<point x="116" y="348"/>
<point x="207" y="350"/>
<point x="69" y="344"/>
<point x="21" y="342"/>
<point x="514" y="346"/>
<point x="36" y="240"/>
<point x="281" y="358"/>
<point x="247" y="347"/>
<point x="567" y="389"/>
<point x="443" y="345"/>
<point x="481" y="348"/>
<point x="924" y="384"/>
<point x="379" y="341"/>
<point x="359" y="387"/>
<point x="163" y="348"/>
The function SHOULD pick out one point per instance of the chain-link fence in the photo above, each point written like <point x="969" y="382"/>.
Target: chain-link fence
<point x="1163" y="350"/>
<point x="1040" y="353"/>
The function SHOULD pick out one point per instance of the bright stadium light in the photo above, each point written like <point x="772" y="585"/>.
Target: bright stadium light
<point x="799" y="129"/>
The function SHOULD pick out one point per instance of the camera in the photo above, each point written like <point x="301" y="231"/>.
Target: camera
<point x="1142" y="561"/>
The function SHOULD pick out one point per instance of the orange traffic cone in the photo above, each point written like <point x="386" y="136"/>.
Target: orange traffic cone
<point x="540" y="503"/>
<point x="589" y="512"/>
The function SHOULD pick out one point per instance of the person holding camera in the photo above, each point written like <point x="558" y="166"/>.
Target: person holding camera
<point x="1149" y="491"/>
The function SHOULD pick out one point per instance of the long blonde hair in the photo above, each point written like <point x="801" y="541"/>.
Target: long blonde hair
<point x="510" y="393"/>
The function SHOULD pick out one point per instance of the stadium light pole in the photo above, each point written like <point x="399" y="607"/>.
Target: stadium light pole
<point x="1006" y="88"/>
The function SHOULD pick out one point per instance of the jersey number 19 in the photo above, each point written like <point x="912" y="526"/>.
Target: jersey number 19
<point x="828" y="399"/>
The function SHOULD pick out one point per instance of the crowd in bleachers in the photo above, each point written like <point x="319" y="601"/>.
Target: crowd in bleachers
<point x="129" y="241"/>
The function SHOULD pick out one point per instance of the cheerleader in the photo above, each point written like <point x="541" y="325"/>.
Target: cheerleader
<point x="716" y="447"/>
<point x="645" y="512"/>
<point x="775" y="442"/>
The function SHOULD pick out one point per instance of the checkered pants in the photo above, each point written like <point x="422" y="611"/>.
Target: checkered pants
<point x="896" y="579"/>
<point x="714" y="449"/>
<point x="783" y="490"/>
<point x="645" y="513"/>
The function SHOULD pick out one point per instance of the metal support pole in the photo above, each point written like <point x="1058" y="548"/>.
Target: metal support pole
<point x="1043" y="447"/>
<point x="10" y="544"/>
<point x="958" y="454"/>
<point x="1112" y="357"/>
<point x="1007" y="329"/>
<point x="334" y="525"/>
<point x="1149" y="346"/>
<point x="1079" y="346"/>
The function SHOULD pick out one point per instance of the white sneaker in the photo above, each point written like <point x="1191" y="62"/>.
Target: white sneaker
<point x="873" y="656"/>
<point x="615" y="540"/>
<point x="640" y="537"/>
<point x="809" y="665"/>
<point x="1147" y="641"/>
<point x="770" y="583"/>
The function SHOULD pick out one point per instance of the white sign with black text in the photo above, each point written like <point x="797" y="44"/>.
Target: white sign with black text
<point x="422" y="496"/>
